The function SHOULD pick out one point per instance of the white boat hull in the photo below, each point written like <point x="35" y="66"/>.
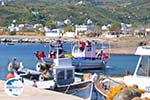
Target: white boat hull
<point x="88" y="64"/>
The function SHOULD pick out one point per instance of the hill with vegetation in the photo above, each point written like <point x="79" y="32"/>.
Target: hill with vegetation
<point x="100" y="12"/>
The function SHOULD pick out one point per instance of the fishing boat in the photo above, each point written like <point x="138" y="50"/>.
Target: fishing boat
<point x="60" y="77"/>
<point x="139" y="80"/>
<point x="87" y="58"/>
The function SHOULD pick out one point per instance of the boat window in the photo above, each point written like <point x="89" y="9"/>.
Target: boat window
<point x="89" y="49"/>
<point x="69" y="74"/>
<point x="144" y="67"/>
<point x="60" y="74"/>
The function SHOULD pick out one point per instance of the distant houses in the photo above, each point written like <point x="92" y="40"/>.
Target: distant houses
<point x="80" y="29"/>
<point x="68" y="29"/>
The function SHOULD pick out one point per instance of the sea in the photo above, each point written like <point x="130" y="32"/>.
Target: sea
<point x="24" y="52"/>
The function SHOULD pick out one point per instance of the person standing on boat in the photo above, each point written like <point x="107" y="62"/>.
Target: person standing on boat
<point x="37" y="55"/>
<point x="88" y="45"/>
<point x="82" y="45"/>
<point x="59" y="49"/>
<point x="15" y="64"/>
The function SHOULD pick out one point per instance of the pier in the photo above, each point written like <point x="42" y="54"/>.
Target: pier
<point x="32" y="93"/>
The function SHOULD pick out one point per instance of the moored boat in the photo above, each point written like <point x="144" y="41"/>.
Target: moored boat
<point x="60" y="77"/>
<point x="86" y="57"/>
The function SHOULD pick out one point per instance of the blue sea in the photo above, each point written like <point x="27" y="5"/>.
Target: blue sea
<point x="24" y="52"/>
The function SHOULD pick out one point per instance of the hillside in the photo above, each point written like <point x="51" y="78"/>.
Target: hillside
<point x="99" y="11"/>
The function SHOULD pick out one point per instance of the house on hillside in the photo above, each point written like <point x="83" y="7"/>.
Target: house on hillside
<point x="147" y="31"/>
<point x="125" y="28"/>
<point x="84" y="29"/>
<point x="53" y="33"/>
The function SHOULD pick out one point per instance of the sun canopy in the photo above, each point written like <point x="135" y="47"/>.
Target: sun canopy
<point x="143" y="50"/>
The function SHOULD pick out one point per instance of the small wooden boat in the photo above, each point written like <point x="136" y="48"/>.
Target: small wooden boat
<point x="103" y="84"/>
<point x="139" y="82"/>
<point x="86" y="57"/>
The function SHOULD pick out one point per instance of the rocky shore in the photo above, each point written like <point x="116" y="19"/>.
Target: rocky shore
<point x="122" y="45"/>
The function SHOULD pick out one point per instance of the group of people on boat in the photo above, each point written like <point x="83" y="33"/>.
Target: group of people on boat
<point x="83" y="45"/>
<point x="40" y="54"/>
<point x="57" y="45"/>
<point x="102" y="55"/>
<point x="88" y="45"/>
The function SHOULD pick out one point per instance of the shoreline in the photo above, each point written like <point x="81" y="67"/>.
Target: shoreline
<point x="123" y="46"/>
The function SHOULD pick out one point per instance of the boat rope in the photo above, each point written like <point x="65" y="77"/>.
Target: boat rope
<point x="78" y="90"/>
<point x="67" y="88"/>
<point x="114" y="81"/>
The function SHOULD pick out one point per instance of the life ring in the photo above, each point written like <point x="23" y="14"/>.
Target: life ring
<point x="41" y="77"/>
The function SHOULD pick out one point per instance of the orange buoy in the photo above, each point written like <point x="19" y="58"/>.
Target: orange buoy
<point x="9" y="76"/>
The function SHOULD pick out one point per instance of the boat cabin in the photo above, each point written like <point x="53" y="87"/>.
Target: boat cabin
<point x="84" y="49"/>
<point x="143" y="66"/>
<point x="63" y="71"/>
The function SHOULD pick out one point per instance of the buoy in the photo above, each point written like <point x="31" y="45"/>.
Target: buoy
<point x="9" y="76"/>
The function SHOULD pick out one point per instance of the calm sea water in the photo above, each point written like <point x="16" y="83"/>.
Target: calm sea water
<point x="24" y="52"/>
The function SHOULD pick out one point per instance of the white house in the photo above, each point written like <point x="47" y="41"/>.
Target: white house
<point x="53" y="33"/>
<point x="67" y="22"/>
<point x="69" y="34"/>
<point x="84" y="28"/>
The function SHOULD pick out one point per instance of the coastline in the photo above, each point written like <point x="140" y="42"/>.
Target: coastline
<point x="122" y="45"/>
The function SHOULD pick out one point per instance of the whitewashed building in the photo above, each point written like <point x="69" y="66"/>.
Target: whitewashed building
<point x="84" y="28"/>
<point x="53" y="33"/>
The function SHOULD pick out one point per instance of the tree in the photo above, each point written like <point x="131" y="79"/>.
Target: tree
<point x="115" y="26"/>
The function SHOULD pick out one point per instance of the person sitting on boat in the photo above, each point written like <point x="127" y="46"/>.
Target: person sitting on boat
<point x="41" y="55"/>
<point x="102" y="56"/>
<point x="52" y="54"/>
